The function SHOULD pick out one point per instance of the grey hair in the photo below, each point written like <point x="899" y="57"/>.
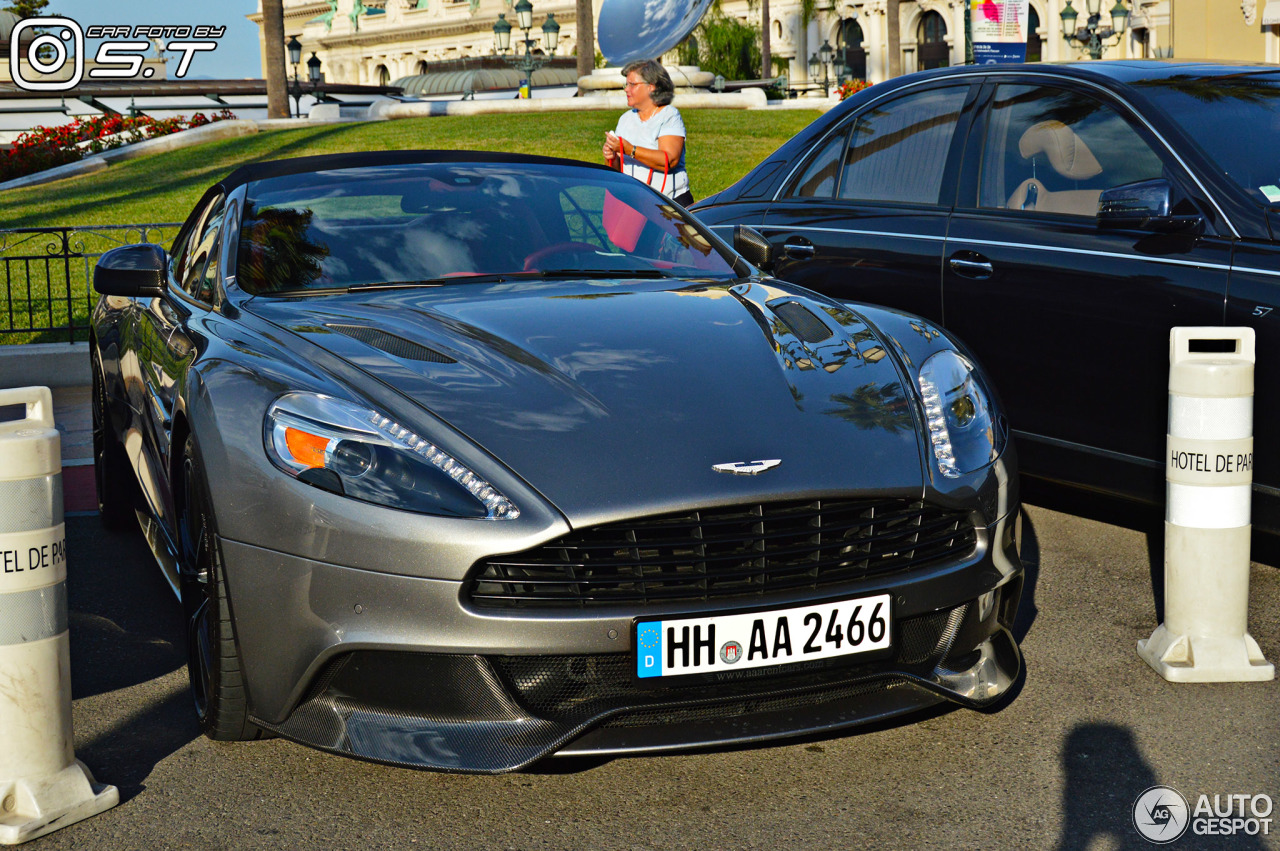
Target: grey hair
<point x="655" y="75"/>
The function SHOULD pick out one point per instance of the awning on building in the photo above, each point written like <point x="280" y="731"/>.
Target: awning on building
<point x="1271" y="14"/>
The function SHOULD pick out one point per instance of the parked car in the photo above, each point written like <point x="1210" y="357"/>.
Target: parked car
<point x="1060" y="219"/>
<point x="459" y="460"/>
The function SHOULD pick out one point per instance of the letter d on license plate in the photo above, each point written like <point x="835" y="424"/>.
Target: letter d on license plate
<point x="733" y="642"/>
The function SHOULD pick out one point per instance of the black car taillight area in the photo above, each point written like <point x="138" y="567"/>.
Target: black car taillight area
<point x="744" y="551"/>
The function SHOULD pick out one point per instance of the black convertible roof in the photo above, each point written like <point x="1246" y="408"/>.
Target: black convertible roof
<point x="359" y="159"/>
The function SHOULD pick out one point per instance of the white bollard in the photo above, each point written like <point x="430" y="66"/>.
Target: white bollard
<point x="43" y="787"/>
<point x="1209" y="474"/>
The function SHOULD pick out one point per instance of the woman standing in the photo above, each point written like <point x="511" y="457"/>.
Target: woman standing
<point x="650" y="136"/>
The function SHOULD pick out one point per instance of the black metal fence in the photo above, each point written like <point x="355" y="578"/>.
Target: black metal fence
<point x="48" y="272"/>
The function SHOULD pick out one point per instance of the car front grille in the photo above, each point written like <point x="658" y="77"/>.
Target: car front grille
<point x="742" y="551"/>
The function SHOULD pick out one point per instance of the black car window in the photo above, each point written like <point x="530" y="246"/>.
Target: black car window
<point x="1053" y="150"/>
<point x="204" y="255"/>
<point x="1234" y="118"/>
<point x="818" y="180"/>
<point x="184" y="245"/>
<point x="207" y="283"/>
<point x="898" y="150"/>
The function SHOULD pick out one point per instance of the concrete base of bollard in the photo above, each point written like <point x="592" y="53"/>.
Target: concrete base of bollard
<point x="1205" y="659"/>
<point x="33" y="807"/>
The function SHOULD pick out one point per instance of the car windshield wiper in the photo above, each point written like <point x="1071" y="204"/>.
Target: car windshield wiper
<point x="444" y="281"/>
<point x="495" y="278"/>
<point x="602" y="273"/>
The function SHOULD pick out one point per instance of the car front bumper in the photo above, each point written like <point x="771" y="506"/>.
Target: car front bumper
<point x="402" y="670"/>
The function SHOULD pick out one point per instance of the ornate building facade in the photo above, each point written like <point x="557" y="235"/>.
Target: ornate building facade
<point x="383" y="40"/>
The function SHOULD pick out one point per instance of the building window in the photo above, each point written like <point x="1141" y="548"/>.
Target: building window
<point x="850" y="50"/>
<point x="931" y="36"/>
<point x="384" y="76"/>
<point x="1033" y="34"/>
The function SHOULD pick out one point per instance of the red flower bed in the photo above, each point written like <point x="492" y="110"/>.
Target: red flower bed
<point x="46" y="147"/>
<point x="850" y="87"/>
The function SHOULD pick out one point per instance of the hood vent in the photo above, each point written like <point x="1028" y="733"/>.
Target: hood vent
<point x="391" y="344"/>
<point x="803" y="322"/>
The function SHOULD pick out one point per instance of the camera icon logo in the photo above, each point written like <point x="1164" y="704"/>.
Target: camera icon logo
<point x="58" y="41"/>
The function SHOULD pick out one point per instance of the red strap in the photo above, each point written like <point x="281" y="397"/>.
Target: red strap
<point x="666" y="165"/>
<point x="666" y="169"/>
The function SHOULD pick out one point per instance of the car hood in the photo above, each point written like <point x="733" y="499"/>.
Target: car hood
<point x="621" y="396"/>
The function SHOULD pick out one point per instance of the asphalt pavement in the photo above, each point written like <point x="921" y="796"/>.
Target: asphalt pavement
<point x="1060" y="766"/>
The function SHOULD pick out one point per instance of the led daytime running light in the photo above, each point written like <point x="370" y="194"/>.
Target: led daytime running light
<point x="499" y="506"/>
<point x="939" y="435"/>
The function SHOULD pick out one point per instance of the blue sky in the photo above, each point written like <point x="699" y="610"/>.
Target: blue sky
<point x="237" y="54"/>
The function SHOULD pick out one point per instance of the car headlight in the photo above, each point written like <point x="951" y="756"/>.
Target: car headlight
<point x="357" y="452"/>
<point x="962" y="420"/>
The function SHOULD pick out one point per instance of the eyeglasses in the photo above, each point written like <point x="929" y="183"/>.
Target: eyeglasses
<point x="631" y="85"/>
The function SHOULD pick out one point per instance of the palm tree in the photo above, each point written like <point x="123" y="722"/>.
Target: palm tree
<point x="895" y="37"/>
<point x="586" y="39"/>
<point x="273" y="35"/>
<point x="766" y="63"/>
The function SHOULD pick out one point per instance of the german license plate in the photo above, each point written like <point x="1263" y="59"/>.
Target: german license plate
<point x="708" y="645"/>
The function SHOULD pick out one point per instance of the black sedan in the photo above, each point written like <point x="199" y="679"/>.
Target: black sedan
<point x="460" y="460"/>
<point x="1059" y="219"/>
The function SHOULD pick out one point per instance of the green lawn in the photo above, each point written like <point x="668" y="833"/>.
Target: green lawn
<point x="723" y="146"/>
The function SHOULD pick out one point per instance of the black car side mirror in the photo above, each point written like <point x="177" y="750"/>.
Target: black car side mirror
<point x="748" y="242"/>
<point x="1146" y="205"/>
<point x="136" y="271"/>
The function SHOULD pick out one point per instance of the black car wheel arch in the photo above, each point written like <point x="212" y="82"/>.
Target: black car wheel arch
<point x="112" y="476"/>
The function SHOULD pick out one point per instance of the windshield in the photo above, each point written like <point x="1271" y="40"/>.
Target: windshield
<point x="443" y="223"/>
<point x="1235" y="119"/>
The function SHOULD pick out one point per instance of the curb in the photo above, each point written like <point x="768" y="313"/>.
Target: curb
<point x="745" y="99"/>
<point x="45" y="364"/>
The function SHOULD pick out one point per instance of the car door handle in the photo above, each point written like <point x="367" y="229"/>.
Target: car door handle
<point x="971" y="265"/>
<point x="798" y="250"/>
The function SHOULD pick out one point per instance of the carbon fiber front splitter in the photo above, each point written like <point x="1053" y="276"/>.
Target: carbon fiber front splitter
<point x="488" y="715"/>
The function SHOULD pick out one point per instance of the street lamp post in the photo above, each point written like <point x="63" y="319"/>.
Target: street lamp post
<point x="1092" y="37"/>
<point x="528" y="63"/>
<point x="295" y="56"/>
<point x="821" y="61"/>
<point x="315" y="75"/>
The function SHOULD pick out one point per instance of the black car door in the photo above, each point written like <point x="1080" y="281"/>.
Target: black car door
<point x="864" y="216"/>
<point x="1255" y="302"/>
<point x="1072" y="320"/>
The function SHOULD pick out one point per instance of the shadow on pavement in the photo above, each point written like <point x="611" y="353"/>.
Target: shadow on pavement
<point x="1030" y="554"/>
<point x="1140" y="517"/>
<point x="126" y="626"/>
<point x="1105" y="774"/>
<point x="127" y="753"/>
<point x="126" y="634"/>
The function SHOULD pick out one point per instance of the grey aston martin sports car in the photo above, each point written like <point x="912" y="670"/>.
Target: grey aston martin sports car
<point x="461" y="460"/>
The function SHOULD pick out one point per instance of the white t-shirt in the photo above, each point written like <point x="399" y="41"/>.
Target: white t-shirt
<point x="644" y="134"/>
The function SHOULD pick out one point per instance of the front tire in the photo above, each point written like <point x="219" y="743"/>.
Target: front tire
<point x="213" y="662"/>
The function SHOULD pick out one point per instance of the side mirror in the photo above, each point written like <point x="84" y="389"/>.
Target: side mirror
<point x="1146" y="205"/>
<point x="748" y="242"/>
<point x="136" y="271"/>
